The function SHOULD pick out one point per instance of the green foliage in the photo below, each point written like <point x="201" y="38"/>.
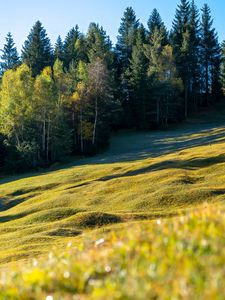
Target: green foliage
<point x="99" y="45"/>
<point x="223" y="68"/>
<point x="59" y="49"/>
<point x="9" y="57"/>
<point x="210" y="53"/>
<point x="37" y="50"/>
<point x="155" y="22"/>
<point x="70" y="52"/>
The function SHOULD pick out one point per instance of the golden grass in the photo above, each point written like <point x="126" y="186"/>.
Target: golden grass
<point x="161" y="175"/>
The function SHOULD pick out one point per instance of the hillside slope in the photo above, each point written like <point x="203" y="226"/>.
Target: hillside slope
<point x="142" y="176"/>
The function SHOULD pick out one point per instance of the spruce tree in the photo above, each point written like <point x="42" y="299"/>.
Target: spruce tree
<point x="223" y="68"/>
<point x="9" y="57"/>
<point x="155" y="22"/>
<point x="126" y="38"/>
<point x="99" y="45"/>
<point x="138" y="79"/>
<point x="194" y="29"/>
<point x="210" y="56"/>
<point x="59" y="49"/>
<point x="70" y="53"/>
<point x="125" y="43"/>
<point x="37" y="50"/>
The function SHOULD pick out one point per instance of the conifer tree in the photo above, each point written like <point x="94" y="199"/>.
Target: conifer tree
<point x="155" y="22"/>
<point x="37" y="50"/>
<point x="125" y="42"/>
<point x="126" y="38"/>
<point x="210" y="56"/>
<point x="138" y="79"/>
<point x="195" y="71"/>
<point x="70" y="53"/>
<point x="9" y="57"/>
<point x="99" y="45"/>
<point x="181" y="44"/>
<point x="223" y="68"/>
<point x="59" y="49"/>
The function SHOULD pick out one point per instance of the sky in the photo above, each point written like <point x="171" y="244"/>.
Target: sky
<point x="58" y="16"/>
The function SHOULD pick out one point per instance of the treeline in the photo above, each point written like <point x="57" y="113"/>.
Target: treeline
<point x="66" y="100"/>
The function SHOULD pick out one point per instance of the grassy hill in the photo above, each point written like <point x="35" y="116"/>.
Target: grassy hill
<point x="142" y="177"/>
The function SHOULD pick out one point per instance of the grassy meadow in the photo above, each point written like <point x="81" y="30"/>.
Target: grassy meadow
<point x="145" y="220"/>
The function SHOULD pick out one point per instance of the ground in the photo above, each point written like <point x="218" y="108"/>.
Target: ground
<point x="160" y="175"/>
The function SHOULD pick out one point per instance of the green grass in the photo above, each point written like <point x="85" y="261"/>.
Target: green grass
<point x="178" y="258"/>
<point x="142" y="177"/>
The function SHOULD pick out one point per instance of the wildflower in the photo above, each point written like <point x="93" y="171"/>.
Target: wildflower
<point x="49" y="298"/>
<point x="66" y="275"/>
<point x="108" y="269"/>
<point x="158" y="222"/>
<point x="99" y="242"/>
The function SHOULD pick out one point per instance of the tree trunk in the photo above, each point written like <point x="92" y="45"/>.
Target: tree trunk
<point x="96" y="120"/>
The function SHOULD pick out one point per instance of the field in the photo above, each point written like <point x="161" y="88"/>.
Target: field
<point x="144" y="213"/>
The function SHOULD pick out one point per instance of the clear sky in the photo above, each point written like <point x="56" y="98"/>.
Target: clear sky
<point x="59" y="16"/>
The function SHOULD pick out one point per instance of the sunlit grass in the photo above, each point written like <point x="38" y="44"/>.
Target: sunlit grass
<point x="175" y="258"/>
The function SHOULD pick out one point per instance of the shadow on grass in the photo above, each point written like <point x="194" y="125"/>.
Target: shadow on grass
<point x="135" y="146"/>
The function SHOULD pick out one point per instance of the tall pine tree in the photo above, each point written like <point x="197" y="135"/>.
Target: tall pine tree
<point x="9" y="57"/>
<point x="210" y="56"/>
<point x="155" y="22"/>
<point x="223" y="68"/>
<point x="138" y="80"/>
<point x="37" y="50"/>
<point x="70" y="53"/>
<point x="59" y="49"/>
<point x="181" y="44"/>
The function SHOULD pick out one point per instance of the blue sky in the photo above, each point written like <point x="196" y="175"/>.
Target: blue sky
<point x="59" y="16"/>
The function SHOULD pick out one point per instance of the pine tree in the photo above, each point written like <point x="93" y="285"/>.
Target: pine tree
<point x="165" y="83"/>
<point x="70" y="53"/>
<point x="138" y="79"/>
<point x="155" y="22"/>
<point x="59" y="49"/>
<point x="223" y="67"/>
<point x="99" y="45"/>
<point x="37" y="50"/>
<point x="186" y="43"/>
<point x="126" y="38"/>
<point x="210" y="56"/>
<point x="125" y="43"/>
<point x="195" y="71"/>
<point x="9" y="57"/>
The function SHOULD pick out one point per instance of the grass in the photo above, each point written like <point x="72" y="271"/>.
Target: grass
<point x="178" y="258"/>
<point x="164" y="176"/>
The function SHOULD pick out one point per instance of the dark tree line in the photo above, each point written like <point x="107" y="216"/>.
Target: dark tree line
<point x="65" y="99"/>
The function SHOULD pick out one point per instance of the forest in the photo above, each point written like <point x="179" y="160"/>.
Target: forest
<point x="66" y="100"/>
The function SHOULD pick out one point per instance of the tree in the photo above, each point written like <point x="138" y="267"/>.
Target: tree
<point x="223" y="68"/>
<point x="37" y="50"/>
<point x="70" y="51"/>
<point x="99" y="45"/>
<point x="166" y="85"/>
<point x="16" y="112"/>
<point x="125" y="42"/>
<point x="59" y="49"/>
<point x="155" y="22"/>
<point x="182" y="47"/>
<point x="126" y="38"/>
<point x="52" y="132"/>
<point x="138" y="79"/>
<point x="9" y="57"/>
<point x="195" y="66"/>
<point x="101" y="101"/>
<point x="210" y="56"/>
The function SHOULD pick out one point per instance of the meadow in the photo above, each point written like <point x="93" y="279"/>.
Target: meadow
<point x="144" y="220"/>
